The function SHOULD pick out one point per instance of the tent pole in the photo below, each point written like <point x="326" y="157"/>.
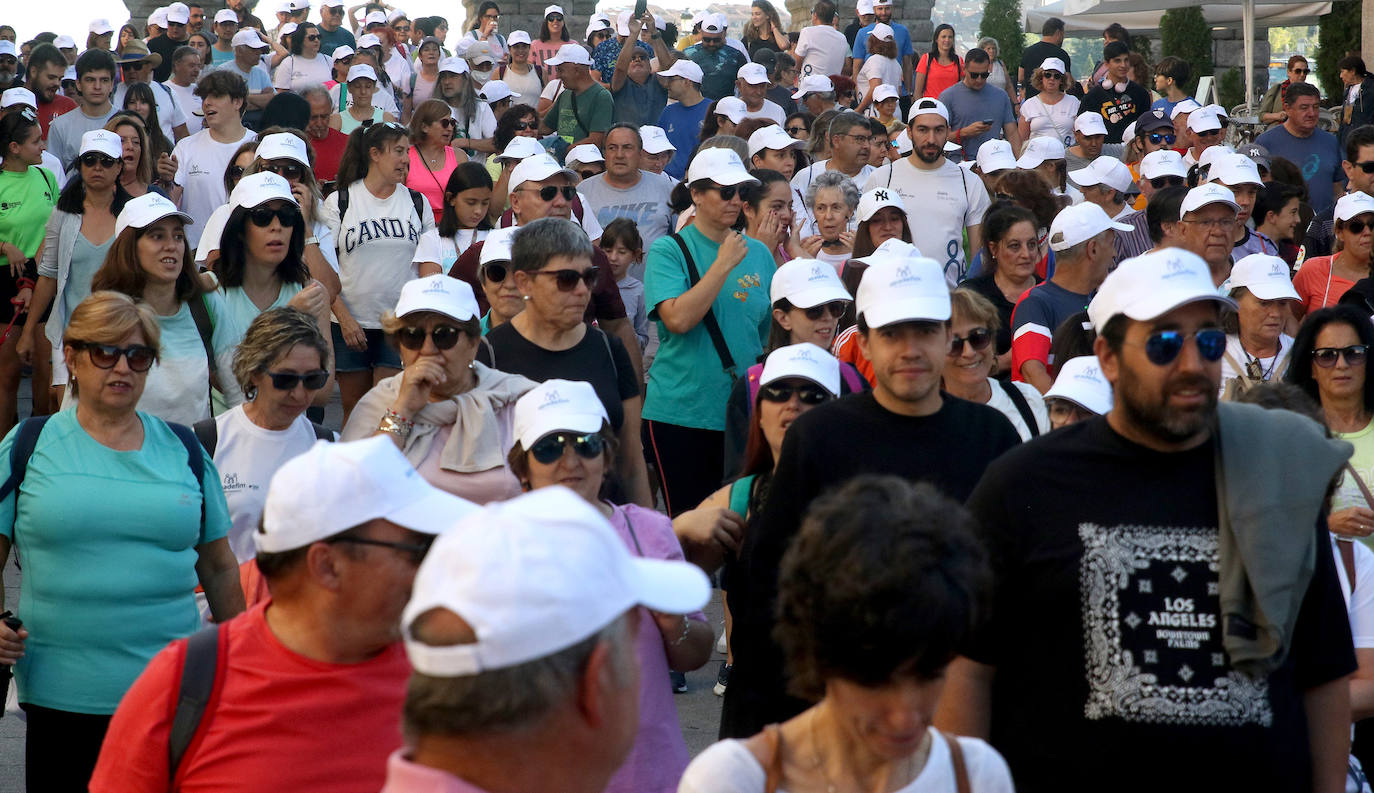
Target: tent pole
<point x="1247" y="25"/>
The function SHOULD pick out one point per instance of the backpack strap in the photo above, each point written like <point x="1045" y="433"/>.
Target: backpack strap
<point x="1022" y="406"/>
<point x="199" y="679"/>
<point x="727" y="361"/>
<point x="195" y="457"/>
<point x="207" y="432"/>
<point x="205" y="327"/>
<point x="24" y="442"/>
<point x="956" y="759"/>
<point x="418" y="200"/>
<point x="343" y="203"/>
<point x="850" y="377"/>
<point x="322" y="433"/>
<point x="752" y="377"/>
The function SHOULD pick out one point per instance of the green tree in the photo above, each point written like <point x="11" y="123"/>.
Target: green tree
<point x="1183" y="33"/>
<point x="1230" y="88"/>
<point x="1337" y="33"/>
<point x="1002" y="21"/>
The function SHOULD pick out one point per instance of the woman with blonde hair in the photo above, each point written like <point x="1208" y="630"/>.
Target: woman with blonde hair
<point x="138" y="175"/>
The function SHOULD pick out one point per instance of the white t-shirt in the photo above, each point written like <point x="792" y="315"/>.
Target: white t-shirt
<point x="190" y="106"/>
<point x="246" y="456"/>
<point x="949" y="199"/>
<point x="884" y="68"/>
<point x="484" y="126"/>
<point x="201" y="161"/>
<point x="770" y="111"/>
<point x="450" y="248"/>
<point x="376" y="243"/>
<point x="822" y="50"/>
<point x="1361" y="604"/>
<point x="398" y="69"/>
<point x="1002" y="402"/>
<point x="170" y="114"/>
<point x="178" y="386"/>
<point x="1235" y="351"/>
<point x="383" y="98"/>
<point x="1053" y="121"/>
<point x="801" y="184"/>
<point x="297" y="71"/>
<point x="729" y="767"/>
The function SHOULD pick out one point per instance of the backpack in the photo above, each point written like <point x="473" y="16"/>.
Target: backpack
<point x="416" y="197"/>
<point x="207" y="433"/>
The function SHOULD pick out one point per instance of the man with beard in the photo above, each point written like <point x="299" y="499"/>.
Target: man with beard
<point x="47" y="64"/>
<point x="952" y="200"/>
<point x="906" y="56"/>
<point x="1163" y="580"/>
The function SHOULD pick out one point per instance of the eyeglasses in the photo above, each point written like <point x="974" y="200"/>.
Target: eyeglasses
<point x="1358" y="226"/>
<point x="798" y="130"/>
<point x="416" y="551"/>
<point x="712" y="40"/>
<point x="1325" y="357"/>
<point x="235" y="171"/>
<point x="1162" y="347"/>
<point x="979" y="75"/>
<point x="1208" y="134"/>
<point x="313" y="37"/>
<point x="286" y="381"/>
<point x="978" y="340"/>
<point x="262" y="216"/>
<point x="554" y="17"/>
<point x="91" y="159"/>
<point x="1215" y="224"/>
<point x="413" y="338"/>
<point x="1048" y="75"/>
<point x="521" y="126"/>
<point x="727" y="191"/>
<point x="1302" y="71"/>
<point x="567" y="280"/>
<point x="495" y="273"/>
<point x="834" y="308"/>
<point x="291" y="172"/>
<point x="549" y="448"/>
<point x="105" y="356"/>
<point x="808" y="394"/>
<point x="1157" y="138"/>
<point x="587" y="174"/>
<point x="548" y="191"/>
<point x="1161" y="182"/>
<point x="447" y="122"/>
<point x="858" y="138"/>
<point x="1367" y="167"/>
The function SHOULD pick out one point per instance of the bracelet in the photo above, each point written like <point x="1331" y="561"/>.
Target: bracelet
<point x="686" y="629"/>
<point x="394" y="423"/>
<point x="312" y="240"/>
<point x="24" y="283"/>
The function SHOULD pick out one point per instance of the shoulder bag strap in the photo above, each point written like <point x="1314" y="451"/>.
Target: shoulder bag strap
<point x="207" y="432"/>
<point x="572" y="97"/>
<point x="956" y="758"/>
<point x="1359" y="482"/>
<point x="727" y="361"/>
<point x="1346" y="548"/>
<point x="1240" y="370"/>
<point x="199" y="669"/>
<point x="772" y="770"/>
<point x="1022" y="406"/>
<point x="322" y="433"/>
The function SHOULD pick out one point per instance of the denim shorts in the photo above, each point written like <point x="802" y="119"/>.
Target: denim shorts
<point x="378" y="355"/>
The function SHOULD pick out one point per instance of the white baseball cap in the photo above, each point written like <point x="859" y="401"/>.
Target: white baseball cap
<point x="374" y="18"/>
<point x="864" y="7"/>
<point x="1186" y="106"/>
<point x="1212" y="154"/>
<point x="518" y="37"/>
<point x="286" y="30"/>
<point x="361" y="71"/>
<point x="596" y="23"/>
<point x="342" y="51"/>
<point x="283" y="146"/>
<point x="876" y="199"/>
<point x="1079" y="223"/>
<point x="102" y="141"/>
<point x="1090" y="124"/>
<point x="807" y="283"/>
<point x="573" y="53"/>
<point x="1265" y="276"/>
<point x="158" y="17"/>
<point x="496" y="247"/>
<point x="248" y="37"/>
<point x="804" y="360"/>
<point x="332" y="4"/>
<point x="441" y="294"/>
<point x="532" y="576"/>
<point x="1153" y="284"/>
<point x="521" y="147"/>
<point x="179" y="13"/>
<point x="753" y="73"/>
<point x="656" y="140"/>
<point x="369" y="40"/>
<point x="555" y="405"/>
<point x="1205" y="194"/>
<point x="586" y="153"/>
<point x="537" y="169"/>
<point x="927" y="105"/>
<point x="333" y="487"/>
<point x="684" y="68"/>
<point x="147" y="209"/>
<point x="64" y="43"/>
<point x="622" y="23"/>
<point x="894" y="249"/>
<point x="1128" y="134"/>
<point x="885" y="92"/>
<point x="1104" y="170"/>
<point x="715" y="23"/>
<point x="995" y="155"/>
<point x="101" y="26"/>
<point x="812" y="84"/>
<point x="903" y="290"/>
<point x="882" y="31"/>
<point x="70" y="74"/>
<point x="1352" y="205"/>
<point x="732" y="107"/>
<point x="1165" y="162"/>
<point x="772" y="137"/>
<point x="1039" y="150"/>
<point x="1234" y="170"/>
<point x="495" y="91"/>
<point x="18" y="96"/>
<point x="395" y="14"/>
<point x="256" y="189"/>
<point x="555" y="9"/>
<point x="1217" y="110"/>
<point x="1203" y="121"/>
<point x="1081" y="382"/>
<point x="7" y="48"/>
<point x="226" y="15"/>
<point x="722" y="166"/>
<point x="950" y="147"/>
<point x="903" y="142"/>
<point x="453" y="65"/>
<point x="1053" y="65"/>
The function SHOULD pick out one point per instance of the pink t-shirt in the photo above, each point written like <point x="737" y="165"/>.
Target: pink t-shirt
<point x="659" y="756"/>
<point x="541" y="51"/>
<point x="1317" y="285"/>
<point x="431" y="182"/>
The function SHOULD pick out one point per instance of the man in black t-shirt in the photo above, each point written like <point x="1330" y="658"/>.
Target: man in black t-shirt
<point x="905" y="426"/>
<point x="1118" y="99"/>
<point x="1050" y="45"/>
<point x="1123" y="646"/>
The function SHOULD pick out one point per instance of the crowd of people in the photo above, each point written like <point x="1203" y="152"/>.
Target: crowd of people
<point x="1020" y="419"/>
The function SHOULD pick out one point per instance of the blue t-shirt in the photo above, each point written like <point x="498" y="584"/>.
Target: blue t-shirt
<point x="1318" y="156"/>
<point x="606" y="54"/>
<point x="683" y="125"/>
<point x="687" y="383"/>
<point x="109" y="543"/>
<point x="1164" y="104"/>
<point x="256" y="77"/>
<point x="331" y="40"/>
<point x="638" y="104"/>
<point x="899" y="32"/>
<point x="241" y="310"/>
<point x="967" y="106"/>
<point x="719" y="69"/>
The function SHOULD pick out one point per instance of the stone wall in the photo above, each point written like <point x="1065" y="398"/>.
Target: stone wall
<point x="528" y="15"/>
<point x="1228" y="51"/>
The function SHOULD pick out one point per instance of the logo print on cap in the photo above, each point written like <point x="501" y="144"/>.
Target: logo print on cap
<point x="552" y="398"/>
<point x="1278" y="269"/>
<point x="817" y="274"/>
<point x="803" y="354"/>
<point x="881" y="195"/>
<point x="436" y="288"/>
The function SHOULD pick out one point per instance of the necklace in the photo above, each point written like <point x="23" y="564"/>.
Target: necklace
<point x="1254" y="369"/>
<point x="914" y="764"/>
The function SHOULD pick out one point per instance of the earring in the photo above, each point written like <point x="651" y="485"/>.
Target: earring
<point x="250" y="393"/>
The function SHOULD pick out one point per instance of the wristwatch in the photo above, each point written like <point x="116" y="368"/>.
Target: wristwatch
<point x="393" y="423"/>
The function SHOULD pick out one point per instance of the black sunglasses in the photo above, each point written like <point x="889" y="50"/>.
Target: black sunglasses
<point x="291" y="172"/>
<point x="548" y="191"/>
<point x="495" y="273"/>
<point x="1162" y="347"/>
<point x="1051" y="75"/>
<point x="91" y="159"/>
<point x="1302" y="71"/>
<point x="1161" y="182"/>
<point x="554" y="17"/>
<point x="549" y="448"/>
<point x="235" y="171"/>
<point x="413" y="338"/>
<point x="447" y="122"/>
<point x="834" y="308"/>
<point x="979" y="75"/>
<point x="105" y="356"/>
<point x="1358" y="226"/>
<point x="808" y="393"/>
<point x="978" y="340"/>
<point x="1167" y="139"/>
<point x="286" y="381"/>
<point x="1367" y="167"/>
<point x="262" y="216"/>
<point x="1325" y="357"/>
<point x="795" y="130"/>
<point x="313" y="37"/>
<point x="567" y="279"/>
<point x="521" y="126"/>
<point x="727" y="191"/>
<point x="416" y="551"/>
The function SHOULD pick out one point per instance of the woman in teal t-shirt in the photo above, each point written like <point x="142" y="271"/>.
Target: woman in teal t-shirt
<point x="115" y="533"/>
<point x="690" y="380"/>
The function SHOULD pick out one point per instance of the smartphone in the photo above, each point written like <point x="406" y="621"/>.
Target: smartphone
<point x="640" y="7"/>
<point x="987" y="121"/>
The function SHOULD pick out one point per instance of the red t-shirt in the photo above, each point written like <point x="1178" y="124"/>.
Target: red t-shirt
<point x="279" y="721"/>
<point x="47" y="111"/>
<point x="328" y="151"/>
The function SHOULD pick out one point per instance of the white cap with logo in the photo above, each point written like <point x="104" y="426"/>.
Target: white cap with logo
<point x="1081" y="382"/>
<point x="101" y="26"/>
<point x="876" y="199"/>
<point x="812" y="84"/>
<point x="453" y="65"/>
<point x="894" y="249"/>
<point x="684" y="68"/>
<point x="555" y="405"/>
<point x="537" y="169"/>
<point x="882" y="31"/>
<point x="147" y="209"/>
<point x="248" y="37"/>
<point x="369" y="40"/>
<point x="1153" y="284"/>
<point x="753" y="73"/>
<point x="1352" y="205"/>
<point x="64" y="43"/>
<point x="1204" y="121"/>
<point x="806" y="283"/>
<point x="1234" y="170"/>
<point x="1205" y="195"/>
<point x="1186" y="106"/>
<point x="1090" y="124"/>
<point x="496" y="247"/>
<point x="102" y="141"/>
<point x="995" y="155"/>
<point x="806" y="361"/>
<point x="361" y="71"/>
<point x="1104" y="170"/>
<point x="1039" y="150"/>
<point x="1165" y="162"/>
<point x="535" y="575"/>
<point x="1079" y="223"/>
<point x="715" y="23"/>
<point x="18" y="96"/>
<point x="903" y="290"/>
<point x="1053" y="65"/>
<point x="333" y="487"/>
<point x="656" y="140"/>
<point x="521" y="147"/>
<point x="518" y="37"/>
<point x="571" y="53"/>
<point x="732" y="107"/>
<point x="283" y="146"/>
<point x="583" y="155"/>
<point x="1265" y="276"/>
<point x="927" y="105"/>
<point x="256" y="189"/>
<point x="885" y="92"/>
<point x="722" y="166"/>
<point x="771" y="137"/>
<point x="441" y="294"/>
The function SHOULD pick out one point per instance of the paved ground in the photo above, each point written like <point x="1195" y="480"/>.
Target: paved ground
<point x="698" y="709"/>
